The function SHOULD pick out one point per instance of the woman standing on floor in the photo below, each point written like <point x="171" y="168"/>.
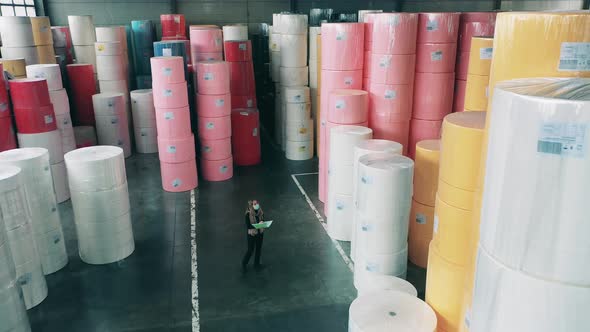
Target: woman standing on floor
<point x="253" y="215"/>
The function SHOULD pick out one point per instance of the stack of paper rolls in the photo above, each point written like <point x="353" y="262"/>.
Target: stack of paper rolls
<point x="100" y="200"/>
<point x="82" y="87"/>
<point x="245" y="127"/>
<point x="215" y="123"/>
<point x="176" y="142"/>
<point x="174" y="48"/>
<point x="173" y="26"/>
<point x="83" y="38"/>
<point x="112" y="128"/>
<point x="144" y="33"/>
<point x="144" y="121"/>
<point x="298" y="123"/>
<point x="19" y="235"/>
<point x="341" y="68"/>
<point x="449" y="250"/>
<point x="436" y="53"/>
<point x="7" y="138"/>
<point x="478" y="74"/>
<point x="13" y="313"/>
<point x="42" y="204"/>
<point x="206" y="43"/>
<point x="111" y="67"/>
<point x="59" y="99"/>
<point x="314" y="74"/>
<point x="238" y="55"/>
<point x="85" y="136"/>
<point x="382" y="247"/>
<point x="474" y="24"/>
<point x="43" y="39"/>
<point x="422" y="214"/>
<point x="235" y="32"/>
<point x="343" y="139"/>
<point x="27" y="38"/>
<point x="62" y="43"/>
<point x="15" y="67"/>
<point x="361" y="149"/>
<point x="274" y="44"/>
<point x="108" y="35"/>
<point x="37" y="128"/>
<point x="390" y="72"/>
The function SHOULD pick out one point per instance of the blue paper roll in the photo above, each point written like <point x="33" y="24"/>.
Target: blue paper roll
<point x="143" y="81"/>
<point x="143" y="35"/>
<point x="173" y="48"/>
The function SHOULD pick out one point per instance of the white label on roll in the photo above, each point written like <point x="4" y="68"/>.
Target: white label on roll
<point x="390" y="94"/>
<point x="176" y="19"/>
<point x="366" y="180"/>
<point x="167" y="93"/>
<point x="208" y="77"/>
<point x="110" y="104"/>
<point x="250" y="103"/>
<point x="143" y="133"/>
<point x="348" y="80"/>
<point x="66" y="121"/>
<point x="56" y="238"/>
<point x="372" y="267"/>
<point x="243" y="46"/>
<point x="302" y="148"/>
<point x="219" y="102"/>
<point x="436" y="56"/>
<point x="244" y="113"/>
<point x="255" y="132"/>
<point x="385" y="62"/>
<point x="341" y="35"/>
<point x="24" y="279"/>
<point x="207" y="149"/>
<point x="120" y="142"/>
<point x="210" y="125"/>
<point x="574" y="57"/>
<point x="223" y="169"/>
<point x="431" y="25"/>
<point x="3" y="107"/>
<point x="485" y="53"/>
<point x="176" y="183"/>
<point x="169" y="116"/>
<point x="366" y="227"/>
<point x="435" y="227"/>
<point x="217" y="41"/>
<point x="167" y="52"/>
<point x="340" y="205"/>
<point x="393" y="20"/>
<point x="114" y="120"/>
<point x="48" y="119"/>
<point x="563" y="139"/>
<point x="340" y="104"/>
<point x="167" y="71"/>
<point x="40" y="75"/>
<point x="420" y="218"/>
<point x="487" y="91"/>
<point x="171" y="149"/>
<point x="467" y="318"/>
<point x="297" y="98"/>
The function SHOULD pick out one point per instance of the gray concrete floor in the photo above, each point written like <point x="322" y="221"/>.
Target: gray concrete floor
<point x="306" y="286"/>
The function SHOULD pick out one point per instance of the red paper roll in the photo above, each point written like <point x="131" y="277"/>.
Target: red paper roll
<point x="242" y="78"/>
<point x="35" y="120"/>
<point x="206" y="40"/>
<point x="390" y="127"/>
<point x="215" y="128"/>
<point x="394" y="33"/>
<point x="213" y="106"/>
<point x="459" y="102"/>
<point x="7" y="139"/>
<point x="421" y="130"/>
<point x="245" y="136"/>
<point x="433" y="95"/>
<point x="179" y="177"/>
<point x="213" y="77"/>
<point x="436" y="58"/>
<point x="348" y="106"/>
<point x="4" y="100"/>
<point x="486" y="17"/>
<point x="176" y="150"/>
<point x="438" y="27"/>
<point x="462" y="66"/>
<point x="29" y="93"/>
<point x="473" y="29"/>
<point x="236" y="50"/>
<point x="216" y="149"/>
<point x="82" y="87"/>
<point x="173" y="122"/>
<point x="173" y="25"/>
<point x="392" y="69"/>
<point x="342" y="46"/>
<point x="243" y="101"/>
<point x="396" y="99"/>
<point x="217" y="170"/>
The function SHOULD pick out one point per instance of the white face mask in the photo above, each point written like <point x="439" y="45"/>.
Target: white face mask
<point x="256" y="207"/>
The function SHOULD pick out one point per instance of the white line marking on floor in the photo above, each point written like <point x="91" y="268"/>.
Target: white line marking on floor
<point x="194" y="273"/>
<point x="343" y="254"/>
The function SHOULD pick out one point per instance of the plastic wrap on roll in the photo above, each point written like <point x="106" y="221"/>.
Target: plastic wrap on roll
<point x="275" y="59"/>
<point x="98" y="206"/>
<point x="452" y="232"/>
<point x="16" y="31"/>
<point x="114" y="130"/>
<point x="426" y="171"/>
<point x="167" y="69"/>
<point x="293" y="50"/>
<point x="105" y="242"/>
<point x="295" y="76"/>
<point x="7" y="137"/>
<point x="299" y="131"/>
<point x="395" y="264"/>
<point x="296" y="112"/>
<point x="237" y="50"/>
<point x="112" y="34"/>
<point x="29" y="93"/>
<point x="293" y="24"/>
<point x="82" y="30"/>
<point x="179" y="177"/>
<point x="393" y="33"/>
<point x="60" y="101"/>
<point x="46" y="54"/>
<point x="296" y="94"/>
<point x="213" y="105"/>
<point x="459" y="102"/>
<point x="347" y="106"/>
<point x="60" y="181"/>
<point x="12" y="309"/>
<point x="390" y="310"/>
<point x="35" y="120"/>
<point x="142" y="108"/>
<point x="109" y="104"/>
<point x="343" y="45"/>
<point x="50" y="72"/>
<point x="102" y="48"/>
<point x="390" y="126"/>
<point x="361" y="13"/>
<point x="111" y="67"/>
<point x="480" y="56"/>
<point x="41" y="30"/>
<point x="438" y="27"/>
<point x="245" y="128"/>
<point x="28" y="53"/>
<point x="433" y="95"/>
<point x="380" y="236"/>
<point x="469" y="30"/>
<point x="314" y="32"/>
<point x="96" y="168"/>
<point x="235" y="32"/>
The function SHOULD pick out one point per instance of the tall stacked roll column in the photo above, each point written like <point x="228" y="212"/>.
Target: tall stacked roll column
<point x="112" y="126"/>
<point x="391" y="73"/>
<point x="27" y="38"/>
<point x="341" y="68"/>
<point x="43" y="39"/>
<point x="15" y="67"/>
<point x="436" y="52"/>
<point x="111" y="35"/>
<point x="19" y="237"/>
<point x="83" y="38"/>
<point x="37" y="128"/>
<point x="206" y="43"/>
<point x="238" y="55"/>
<point x="215" y="122"/>
<point x="7" y="138"/>
<point x="176" y="142"/>
<point x="314" y="69"/>
<point x="144" y="121"/>
<point x="478" y="74"/>
<point x="143" y="38"/>
<point x="82" y="87"/>
<point x="298" y="123"/>
<point x="100" y="200"/>
<point x="42" y="204"/>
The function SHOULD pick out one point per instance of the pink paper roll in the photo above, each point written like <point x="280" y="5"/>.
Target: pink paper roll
<point x="206" y="40"/>
<point x="394" y="33"/>
<point x="341" y="79"/>
<point x="179" y="177"/>
<point x="396" y="99"/>
<point x="200" y="57"/>
<point x="167" y="69"/>
<point x="438" y="27"/>
<point x="368" y="20"/>
<point x="215" y="128"/>
<point x="216" y="149"/>
<point x="213" y="77"/>
<point x="170" y="95"/>
<point x="217" y="170"/>
<point x="173" y="122"/>
<point x="366" y="83"/>
<point x="436" y="58"/>
<point x="322" y="180"/>
<point x="390" y="127"/>
<point x="213" y="106"/>
<point x="459" y="102"/>
<point x="348" y="106"/>
<point x="392" y="69"/>
<point x="176" y="150"/>
<point x="433" y="95"/>
<point x="462" y="66"/>
<point x="367" y="65"/>
<point x="342" y="46"/>
<point x="243" y="101"/>
<point x="421" y="130"/>
<point x="473" y="29"/>
<point x="487" y="17"/>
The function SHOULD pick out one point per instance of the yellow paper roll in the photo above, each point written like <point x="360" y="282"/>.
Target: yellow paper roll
<point x="461" y="149"/>
<point x="452" y="232"/>
<point x="461" y="198"/>
<point x="16" y="67"/>
<point x="42" y="31"/>
<point x="476" y="92"/>
<point x="420" y="235"/>
<point x="46" y="54"/>
<point x="426" y="166"/>
<point x="319" y="108"/>
<point x="444" y="290"/>
<point x="480" y="56"/>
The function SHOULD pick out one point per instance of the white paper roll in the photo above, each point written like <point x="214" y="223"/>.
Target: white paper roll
<point x="107" y="241"/>
<point x="13" y="314"/>
<point x="7" y="270"/>
<point x="313" y="75"/>
<point x="29" y="53"/>
<point x="98" y="206"/>
<point x="313" y="44"/>
<point x="299" y="150"/>
<point x="82" y="30"/>
<point x="16" y="31"/>
<point x="111" y="67"/>
<point x="379" y="236"/>
<point x="293" y="50"/>
<point x="340" y="210"/>
<point x="146" y="139"/>
<point x="275" y="63"/>
<point x="85" y="54"/>
<point x="293" y="24"/>
<point x="509" y="300"/>
<point x="235" y="32"/>
<point x="395" y="264"/>
<point x="108" y="48"/>
<point x="50" y="72"/>
<point x="114" y="130"/>
<point x="50" y="140"/>
<point x="60" y="181"/>
<point x="22" y="246"/>
<point x="297" y="112"/>
<point x="363" y="12"/>
<point x="390" y="311"/>
<point x="61" y="103"/>
<point x="64" y="125"/>
<point x="299" y="131"/>
<point x="112" y="34"/>
<point x="343" y="140"/>
<point x="274" y="42"/>
<point x="109" y="103"/>
<point x="52" y="250"/>
<point x="294" y="76"/>
<point x="142" y="108"/>
<point x="534" y="214"/>
<point x="295" y="94"/>
<point x="96" y="168"/>
<point x="276" y="22"/>
<point x="381" y="282"/>
<point x="279" y="117"/>
<point x="118" y="86"/>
